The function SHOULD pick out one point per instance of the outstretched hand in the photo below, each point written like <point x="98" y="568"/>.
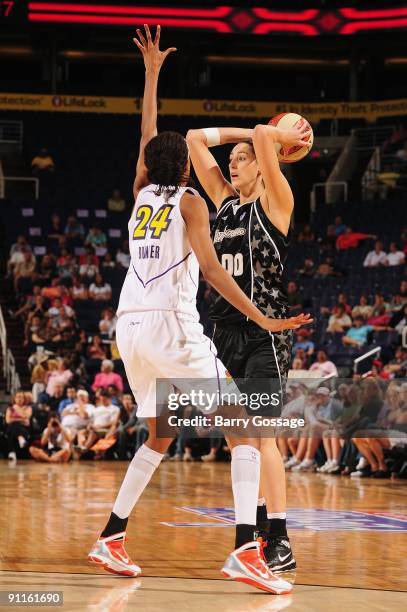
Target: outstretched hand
<point x="277" y="325"/>
<point x="153" y="57"/>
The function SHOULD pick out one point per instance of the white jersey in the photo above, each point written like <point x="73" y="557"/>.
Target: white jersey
<point x="164" y="271"/>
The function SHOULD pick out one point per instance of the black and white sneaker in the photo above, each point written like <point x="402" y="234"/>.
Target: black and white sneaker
<point x="279" y="555"/>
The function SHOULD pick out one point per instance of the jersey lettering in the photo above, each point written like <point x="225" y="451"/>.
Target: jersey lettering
<point x="233" y="264"/>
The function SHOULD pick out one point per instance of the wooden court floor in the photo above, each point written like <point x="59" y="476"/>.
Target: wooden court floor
<point x="349" y="538"/>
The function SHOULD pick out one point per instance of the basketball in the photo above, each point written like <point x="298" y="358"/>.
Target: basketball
<point x="286" y="121"/>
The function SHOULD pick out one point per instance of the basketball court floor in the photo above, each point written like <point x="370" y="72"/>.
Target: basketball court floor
<point x="349" y="538"/>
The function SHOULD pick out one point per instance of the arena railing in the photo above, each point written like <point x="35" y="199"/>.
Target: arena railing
<point x="359" y="360"/>
<point x="10" y="373"/>
<point x="329" y="187"/>
<point x="22" y="179"/>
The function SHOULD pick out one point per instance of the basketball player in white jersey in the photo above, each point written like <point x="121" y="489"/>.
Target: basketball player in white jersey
<point x="159" y="335"/>
<point x="251" y="237"/>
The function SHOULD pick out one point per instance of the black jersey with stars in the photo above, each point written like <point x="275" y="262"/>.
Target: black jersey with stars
<point x="253" y="251"/>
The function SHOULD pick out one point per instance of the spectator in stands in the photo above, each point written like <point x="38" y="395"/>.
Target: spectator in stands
<point x="33" y="304"/>
<point x="55" y="230"/>
<point x="308" y="268"/>
<point x="96" y="238"/>
<point x="123" y="255"/>
<point x="395" y="257"/>
<point x="96" y="349"/>
<point x="107" y="324"/>
<point x="351" y="239"/>
<point x="323" y="367"/>
<point x="35" y="332"/>
<point x="329" y="241"/>
<point x="342" y="301"/>
<point x="358" y="333"/>
<point x="399" y="320"/>
<point x="306" y="235"/>
<point x="115" y="395"/>
<point x="24" y="273"/>
<point x="88" y="270"/>
<point x="293" y="295"/>
<point x="42" y="162"/>
<point x="339" y="321"/>
<point x="108" y="263"/>
<point x="84" y="257"/>
<point x="379" y="306"/>
<point x="18" y="417"/>
<point x="401" y="154"/>
<point x="55" y="309"/>
<point x="116" y="203"/>
<point x="362" y="309"/>
<point x="320" y="412"/>
<point x="302" y="342"/>
<point x="100" y="290"/>
<point x="55" y="444"/>
<point x="46" y="269"/>
<point x="53" y="290"/>
<point x="19" y="246"/>
<point x="70" y="397"/>
<point x="107" y="377"/>
<point x="403" y="289"/>
<point x="339" y="226"/>
<point x="67" y="265"/>
<point x="126" y="431"/>
<point x="76" y="415"/>
<point x="79" y="290"/>
<point x="74" y="230"/>
<point x="51" y="402"/>
<point x="58" y="373"/>
<point x="38" y="377"/>
<point x="103" y="422"/>
<point x="397" y="367"/>
<point x="377" y="257"/>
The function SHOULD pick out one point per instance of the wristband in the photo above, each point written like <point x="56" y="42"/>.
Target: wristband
<point x="212" y="136"/>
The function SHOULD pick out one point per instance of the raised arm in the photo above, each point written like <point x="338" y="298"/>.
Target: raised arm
<point x="196" y="217"/>
<point x="277" y="199"/>
<point x="205" y="165"/>
<point x="153" y="60"/>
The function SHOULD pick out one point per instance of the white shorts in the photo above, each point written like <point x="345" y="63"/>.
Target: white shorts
<point x="172" y="347"/>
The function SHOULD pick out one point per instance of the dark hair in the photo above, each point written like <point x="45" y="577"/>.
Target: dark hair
<point x="166" y="157"/>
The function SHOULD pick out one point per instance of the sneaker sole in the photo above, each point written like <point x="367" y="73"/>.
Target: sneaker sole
<point x="291" y="567"/>
<point x="105" y="565"/>
<point x="237" y="577"/>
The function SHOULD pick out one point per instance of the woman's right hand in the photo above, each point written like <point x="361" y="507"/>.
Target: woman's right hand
<point x="295" y="136"/>
<point x="153" y="57"/>
<point x="277" y="325"/>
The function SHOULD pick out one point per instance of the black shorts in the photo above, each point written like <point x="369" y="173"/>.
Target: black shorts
<point x="253" y="353"/>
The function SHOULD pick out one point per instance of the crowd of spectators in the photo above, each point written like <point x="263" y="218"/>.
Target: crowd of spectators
<point x="80" y="406"/>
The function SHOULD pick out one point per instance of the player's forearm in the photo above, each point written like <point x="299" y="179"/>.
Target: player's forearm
<point x="149" y="109"/>
<point x="222" y="135"/>
<point x="228" y="288"/>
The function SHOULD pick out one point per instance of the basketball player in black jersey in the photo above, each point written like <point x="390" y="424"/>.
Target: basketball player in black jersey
<point x="251" y="239"/>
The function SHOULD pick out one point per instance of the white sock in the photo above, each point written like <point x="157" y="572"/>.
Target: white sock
<point x="245" y="482"/>
<point x="138" y="475"/>
<point x="276" y="515"/>
<point x="261" y="501"/>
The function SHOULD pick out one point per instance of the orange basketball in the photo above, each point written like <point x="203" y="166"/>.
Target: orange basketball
<point x="286" y="121"/>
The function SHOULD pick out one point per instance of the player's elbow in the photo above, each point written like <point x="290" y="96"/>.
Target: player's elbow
<point x="194" y="135"/>
<point x="259" y="132"/>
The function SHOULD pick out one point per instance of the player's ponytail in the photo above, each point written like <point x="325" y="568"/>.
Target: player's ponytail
<point x="166" y="158"/>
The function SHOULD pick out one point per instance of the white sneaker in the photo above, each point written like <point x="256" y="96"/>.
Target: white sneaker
<point x="110" y="554"/>
<point x="305" y="466"/>
<point x="291" y="463"/>
<point x="362" y="463"/>
<point x="335" y="467"/>
<point x="325" y="467"/>
<point x="12" y="457"/>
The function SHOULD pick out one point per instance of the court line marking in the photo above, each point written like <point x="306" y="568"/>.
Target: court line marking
<point x="106" y="575"/>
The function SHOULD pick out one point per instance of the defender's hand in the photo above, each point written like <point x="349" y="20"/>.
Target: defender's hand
<point x="277" y="325"/>
<point x="153" y="57"/>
